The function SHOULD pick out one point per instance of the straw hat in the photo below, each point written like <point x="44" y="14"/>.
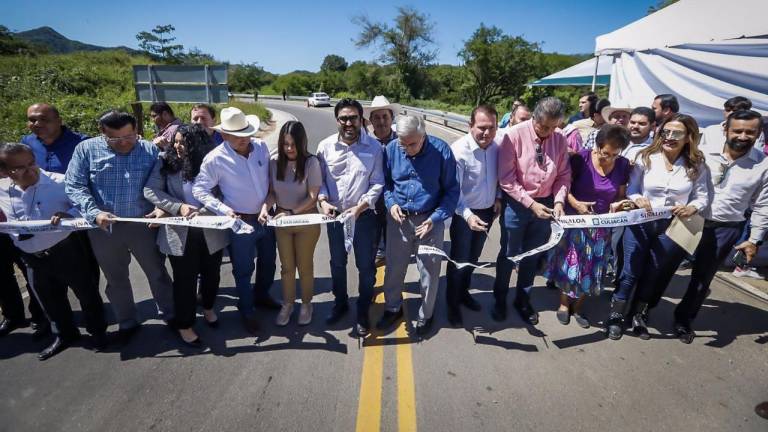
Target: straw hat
<point x="380" y="103"/>
<point x="234" y="122"/>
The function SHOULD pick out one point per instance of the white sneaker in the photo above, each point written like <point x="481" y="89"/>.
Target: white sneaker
<point x="305" y="314"/>
<point x="284" y="315"/>
<point x="747" y="272"/>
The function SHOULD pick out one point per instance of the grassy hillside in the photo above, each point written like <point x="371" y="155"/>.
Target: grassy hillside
<point x="82" y="85"/>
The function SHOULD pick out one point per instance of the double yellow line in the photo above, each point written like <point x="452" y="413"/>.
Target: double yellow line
<point x="369" y="403"/>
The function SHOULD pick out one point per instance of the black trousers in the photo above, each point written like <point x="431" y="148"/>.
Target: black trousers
<point x="11" y="301"/>
<point x="186" y="268"/>
<point x="717" y="241"/>
<point x="68" y="264"/>
<point x="466" y="246"/>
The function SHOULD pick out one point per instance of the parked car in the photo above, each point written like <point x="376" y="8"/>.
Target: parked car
<point x="318" y="99"/>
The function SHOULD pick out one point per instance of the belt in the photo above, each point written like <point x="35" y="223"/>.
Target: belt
<point x="47" y="252"/>
<point x="416" y="213"/>
<point x="718" y="224"/>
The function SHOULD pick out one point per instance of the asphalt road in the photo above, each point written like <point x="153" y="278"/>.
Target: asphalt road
<point x="486" y="376"/>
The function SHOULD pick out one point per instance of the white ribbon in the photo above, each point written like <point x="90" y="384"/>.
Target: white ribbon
<point x="44" y="226"/>
<point x="212" y="222"/>
<point x="302" y="220"/>
<point x="431" y="250"/>
<point x="608" y="220"/>
<point x="316" y="219"/>
<point x="558" y="227"/>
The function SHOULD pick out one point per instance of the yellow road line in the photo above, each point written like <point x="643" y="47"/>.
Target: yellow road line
<point x="406" y="392"/>
<point x="369" y="403"/>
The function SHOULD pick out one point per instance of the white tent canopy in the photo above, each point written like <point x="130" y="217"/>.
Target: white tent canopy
<point x="689" y="49"/>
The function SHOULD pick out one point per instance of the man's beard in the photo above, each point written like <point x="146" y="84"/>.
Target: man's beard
<point x="739" y="145"/>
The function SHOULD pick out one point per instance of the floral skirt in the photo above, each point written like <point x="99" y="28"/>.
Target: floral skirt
<point x="576" y="264"/>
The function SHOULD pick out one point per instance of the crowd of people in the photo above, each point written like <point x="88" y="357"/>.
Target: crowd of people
<point x="401" y="185"/>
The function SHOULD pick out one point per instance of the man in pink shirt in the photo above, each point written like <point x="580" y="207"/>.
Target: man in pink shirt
<point x="535" y="175"/>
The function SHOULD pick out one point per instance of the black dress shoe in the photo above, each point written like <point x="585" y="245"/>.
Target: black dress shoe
<point x="389" y="318"/>
<point x="212" y="324"/>
<point x="338" y="312"/>
<point x="471" y="304"/>
<point x="423" y="325"/>
<point x="99" y="342"/>
<point x="762" y="410"/>
<point x="499" y="312"/>
<point x="40" y="330"/>
<point x="526" y="311"/>
<point x="7" y="326"/>
<point x="125" y="335"/>
<point x="59" y="344"/>
<point x="362" y="330"/>
<point x="196" y="343"/>
<point x="454" y="317"/>
<point x="267" y="303"/>
<point x="684" y="333"/>
<point x="251" y="325"/>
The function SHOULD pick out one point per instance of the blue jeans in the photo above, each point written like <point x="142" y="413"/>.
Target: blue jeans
<point x="521" y="231"/>
<point x="243" y="248"/>
<point x="364" y="246"/>
<point x="650" y="260"/>
<point x="466" y="246"/>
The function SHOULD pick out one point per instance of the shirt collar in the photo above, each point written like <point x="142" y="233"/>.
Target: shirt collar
<point x="529" y="126"/>
<point x="471" y="143"/>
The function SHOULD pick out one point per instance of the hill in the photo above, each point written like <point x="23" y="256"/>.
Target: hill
<point x="56" y="43"/>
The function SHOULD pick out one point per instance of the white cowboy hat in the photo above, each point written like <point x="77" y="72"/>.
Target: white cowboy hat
<point x="607" y="111"/>
<point x="380" y="103"/>
<point x="234" y="122"/>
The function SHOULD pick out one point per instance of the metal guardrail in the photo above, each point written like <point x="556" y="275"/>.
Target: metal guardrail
<point x="449" y="119"/>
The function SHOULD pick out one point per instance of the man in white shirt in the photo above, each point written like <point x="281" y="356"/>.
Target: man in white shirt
<point x="715" y="134"/>
<point x="738" y="181"/>
<point x="476" y="156"/>
<point x="57" y="259"/>
<point x="239" y="168"/>
<point x="353" y="180"/>
<point x="641" y="123"/>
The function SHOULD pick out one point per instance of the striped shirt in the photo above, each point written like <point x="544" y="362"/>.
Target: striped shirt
<point x="100" y="180"/>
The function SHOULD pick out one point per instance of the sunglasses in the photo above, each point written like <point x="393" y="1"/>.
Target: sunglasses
<point x="116" y="140"/>
<point x="672" y="134"/>
<point x="348" y="119"/>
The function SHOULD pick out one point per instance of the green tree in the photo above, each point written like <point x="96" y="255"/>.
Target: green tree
<point x="499" y="65"/>
<point x="11" y="45"/>
<point x="195" y="56"/>
<point x="364" y="78"/>
<point x="159" y="43"/>
<point x="248" y="77"/>
<point x="333" y="63"/>
<point x="406" y="45"/>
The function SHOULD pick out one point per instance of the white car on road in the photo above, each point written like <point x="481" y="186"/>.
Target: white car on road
<point x="318" y="99"/>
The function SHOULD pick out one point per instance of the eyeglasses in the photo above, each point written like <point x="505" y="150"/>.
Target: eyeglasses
<point x="608" y="156"/>
<point x="348" y="119"/>
<point x="672" y="134"/>
<point x="116" y="140"/>
<point x="17" y="170"/>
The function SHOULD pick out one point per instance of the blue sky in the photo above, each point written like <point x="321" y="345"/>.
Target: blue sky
<point x="285" y="35"/>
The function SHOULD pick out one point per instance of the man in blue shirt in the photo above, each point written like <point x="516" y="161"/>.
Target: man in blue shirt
<point x="50" y="141"/>
<point x="421" y="191"/>
<point x="105" y="180"/>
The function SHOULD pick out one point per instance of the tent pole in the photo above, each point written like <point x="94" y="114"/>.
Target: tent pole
<point x="594" y="75"/>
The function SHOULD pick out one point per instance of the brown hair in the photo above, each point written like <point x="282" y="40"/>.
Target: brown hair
<point x="691" y="155"/>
